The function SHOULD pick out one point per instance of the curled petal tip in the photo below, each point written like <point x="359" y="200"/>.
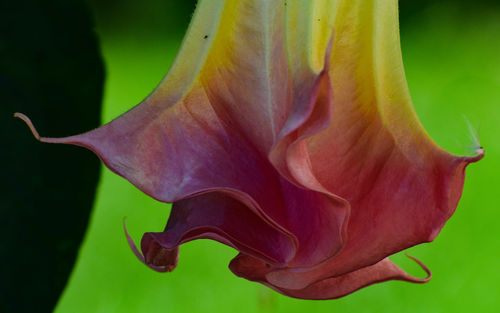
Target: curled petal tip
<point x="35" y="132"/>
<point x="156" y="255"/>
<point x="138" y="254"/>
<point x="30" y="125"/>
<point x="131" y="242"/>
<point x="424" y="267"/>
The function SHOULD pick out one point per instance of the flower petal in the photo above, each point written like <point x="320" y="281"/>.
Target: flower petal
<point x="329" y="288"/>
<point x="157" y="258"/>
<point x="285" y="151"/>
<point x="224" y="217"/>
<point x="401" y="186"/>
<point x="311" y="223"/>
<point x="232" y="65"/>
<point x="193" y="138"/>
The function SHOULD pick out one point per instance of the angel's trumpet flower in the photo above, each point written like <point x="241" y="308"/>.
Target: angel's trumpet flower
<point x="285" y="130"/>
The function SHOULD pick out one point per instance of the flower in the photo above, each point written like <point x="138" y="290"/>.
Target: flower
<point x="285" y="130"/>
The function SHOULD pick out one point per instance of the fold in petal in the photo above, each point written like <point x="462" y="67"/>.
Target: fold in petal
<point x="156" y="258"/>
<point x="329" y="288"/>
<point x="224" y="218"/>
<point x="227" y="220"/>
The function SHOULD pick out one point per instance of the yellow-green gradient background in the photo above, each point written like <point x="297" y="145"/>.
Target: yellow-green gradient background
<point x="452" y="58"/>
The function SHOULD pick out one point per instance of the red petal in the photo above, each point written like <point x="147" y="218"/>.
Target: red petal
<point x="329" y="288"/>
<point x="401" y="186"/>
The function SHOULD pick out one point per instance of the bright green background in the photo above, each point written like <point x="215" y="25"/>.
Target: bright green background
<point x="452" y="59"/>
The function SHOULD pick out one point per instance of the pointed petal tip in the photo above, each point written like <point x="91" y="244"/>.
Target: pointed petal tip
<point x="475" y="156"/>
<point x="479" y="154"/>
<point x="29" y="123"/>
<point x="131" y="242"/>
<point x="37" y="136"/>
<point x="422" y="266"/>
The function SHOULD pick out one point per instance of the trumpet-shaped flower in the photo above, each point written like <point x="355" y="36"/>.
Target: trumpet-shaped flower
<point x="285" y="130"/>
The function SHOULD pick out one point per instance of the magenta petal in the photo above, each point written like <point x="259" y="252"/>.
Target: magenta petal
<point x="158" y="259"/>
<point x="318" y="222"/>
<point x="222" y="217"/>
<point x="156" y="255"/>
<point x="311" y="231"/>
<point x="165" y="155"/>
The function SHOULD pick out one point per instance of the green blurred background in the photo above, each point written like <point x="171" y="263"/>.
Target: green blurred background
<point x="451" y="52"/>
